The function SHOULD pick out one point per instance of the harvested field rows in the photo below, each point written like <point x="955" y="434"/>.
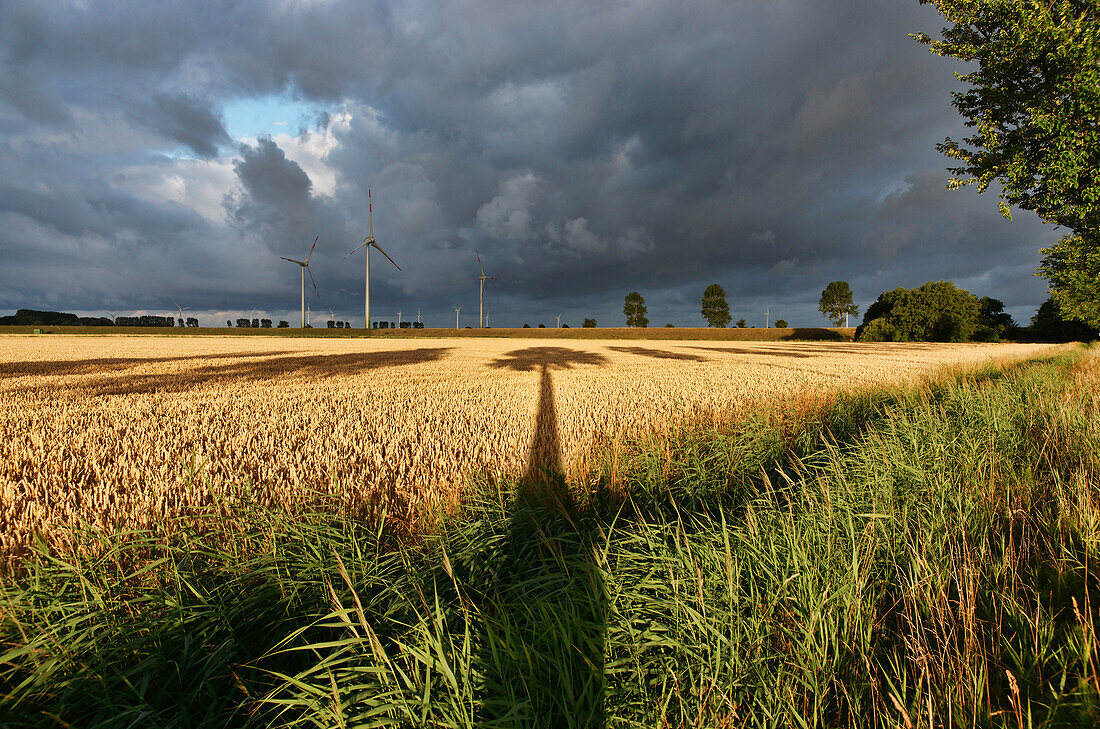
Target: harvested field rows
<point x="131" y="431"/>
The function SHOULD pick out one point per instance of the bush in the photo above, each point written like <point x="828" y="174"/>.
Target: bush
<point x="780" y="323"/>
<point x="878" y="330"/>
<point x="937" y="311"/>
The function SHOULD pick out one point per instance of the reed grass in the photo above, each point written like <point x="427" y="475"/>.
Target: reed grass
<point x="905" y="557"/>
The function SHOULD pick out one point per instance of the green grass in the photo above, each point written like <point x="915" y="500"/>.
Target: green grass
<point x="895" y="556"/>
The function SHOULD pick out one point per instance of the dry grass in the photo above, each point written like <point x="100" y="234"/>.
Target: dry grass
<point x="133" y="431"/>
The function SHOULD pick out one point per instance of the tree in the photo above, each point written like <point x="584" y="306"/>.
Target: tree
<point x="836" y="302"/>
<point x="936" y="311"/>
<point x="526" y="326"/>
<point x="192" y="321"/>
<point x="716" y="310"/>
<point x="228" y="323"/>
<point x="780" y="323"/>
<point x="588" y="324"/>
<point x="1048" y="326"/>
<point x="243" y="323"/>
<point x="284" y="324"/>
<point x="741" y="324"/>
<point x="634" y="308"/>
<point x="1072" y="266"/>
<point x="993" y="320"/>
<point x="1034" y="102"/>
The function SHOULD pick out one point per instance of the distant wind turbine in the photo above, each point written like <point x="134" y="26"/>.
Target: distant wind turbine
<point x="368" y="242"/>
<point x="457" y="309"/>
<point x="305" y="269"/>
<point x="767" y="313"/>
<point x="181" y="309"/>
<point x="559" y="321"/>
<point x="114" y="315"/>
<point x="399" y="320"/>
<point x="418" y="316"/>
<point x="481" y="296"/>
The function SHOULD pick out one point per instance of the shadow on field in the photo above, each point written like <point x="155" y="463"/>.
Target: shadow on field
<point x="254" y="370"/>
<point x="108" y="365"/>
<point x="815" y="334"/>
<point x="762" y="352"/>
<point x="564" y="610"/>
<point x="660" y="353"/>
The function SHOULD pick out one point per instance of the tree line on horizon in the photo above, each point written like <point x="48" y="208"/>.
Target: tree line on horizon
<point x="33" y="317"/>
<point x="936" y="311"/>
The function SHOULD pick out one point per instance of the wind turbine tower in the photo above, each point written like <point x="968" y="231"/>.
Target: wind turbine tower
<point x="481" y="296"/>
<point x="767" y="314"/>
<point x="559" y="320"/>
<point x="305" y="269"/>
<point x="368" y="242"/>
<point x="457" y="309"/>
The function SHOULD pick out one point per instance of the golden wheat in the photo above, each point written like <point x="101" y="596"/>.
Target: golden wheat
<point x="135" y="431"/>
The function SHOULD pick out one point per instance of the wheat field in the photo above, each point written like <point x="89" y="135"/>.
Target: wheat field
<point x="134" y="431"/>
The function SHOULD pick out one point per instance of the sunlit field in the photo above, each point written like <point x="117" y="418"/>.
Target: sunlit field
<point x="131" y="431"/>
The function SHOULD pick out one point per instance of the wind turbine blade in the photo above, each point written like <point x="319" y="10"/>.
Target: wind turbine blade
<point x="366" y="242"/>
<point x="312" y="247"/>
<point x="312" y="282"/>
<point x="479" y="262"/>
<point x="387" y="255"/>
<point x="370" y="214"/>
<point x="292" y="260"/>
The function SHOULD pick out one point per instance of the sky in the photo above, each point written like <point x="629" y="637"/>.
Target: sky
<point x="163" y="155"/>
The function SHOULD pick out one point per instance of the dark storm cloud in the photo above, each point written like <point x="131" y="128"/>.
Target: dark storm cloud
<point x="586" y="149"/>
<point x="186" y="120"/>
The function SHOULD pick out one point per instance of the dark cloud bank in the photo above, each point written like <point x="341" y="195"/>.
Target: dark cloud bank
<point x="586" y="149"/>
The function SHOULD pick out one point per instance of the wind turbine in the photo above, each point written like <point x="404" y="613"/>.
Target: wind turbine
<point x="305" y="269"/>
<point x="457" y="309"/>
<point x="399" y="320"/>
<point x="418" y="317"/>
<point x="487" y="320"/>
<point x="767" y="314"/>
<point x="181" y="309"/>
<point x="367" y="243"/>
<point x="559" y="320"/>
<point x="114" y="315"/>
<point x="481" y="297"/>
